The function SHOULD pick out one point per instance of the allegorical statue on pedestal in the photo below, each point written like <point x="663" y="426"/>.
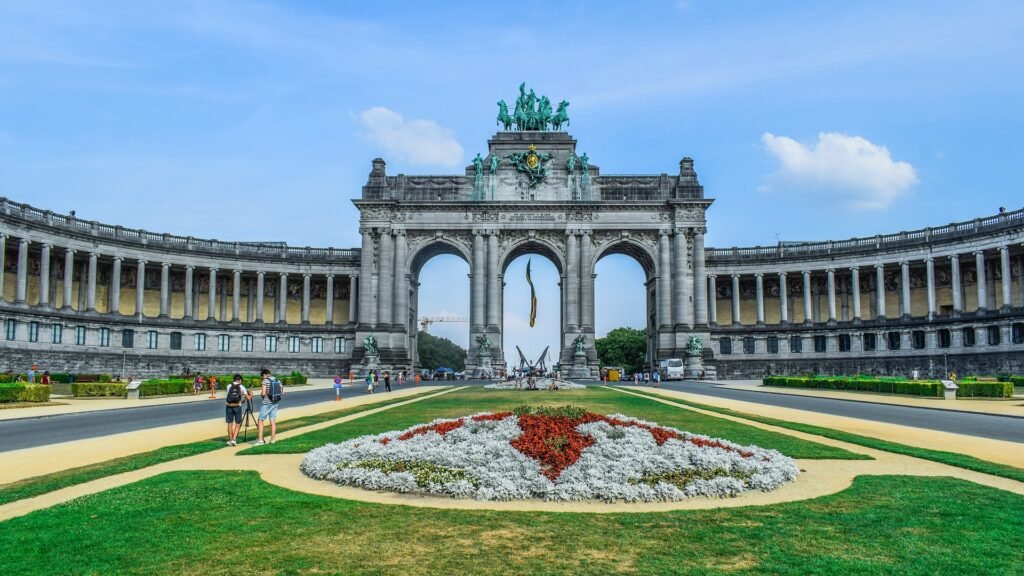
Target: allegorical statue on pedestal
<point x="483" y="345"/>
<point x="369" y="345"/>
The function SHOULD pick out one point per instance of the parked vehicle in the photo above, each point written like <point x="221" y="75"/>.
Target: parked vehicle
<point x="671" y="369"/>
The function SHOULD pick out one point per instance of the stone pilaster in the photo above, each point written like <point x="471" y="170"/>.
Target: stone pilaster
<point x="329" y="304"/>
<point x="115" y="286"/>
<point x="236" y="294"/>
<point x="90" y="302"/>
<point x="759" y="293"/>
<point x="189" y="290"/>
<point x="21" y="287"/>
<point x="44" y="275"/>
<point x="165" y="289"/>
<point x="979" y="260"/>
<point x="783" y="299"/>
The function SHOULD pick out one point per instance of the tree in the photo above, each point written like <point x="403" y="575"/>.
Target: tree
<point x="625" y="347"/>
<point x="436" y="352"/>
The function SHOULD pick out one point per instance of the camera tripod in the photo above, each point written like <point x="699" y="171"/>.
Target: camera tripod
<point x="249" y="417"/>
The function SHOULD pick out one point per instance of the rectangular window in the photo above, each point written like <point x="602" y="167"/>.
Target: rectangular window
<point x="773" y="344"/>
<point x="80" y="335"/>
<point x="104" y="336"/>
<point x="870" y="341"/>
<point x="917" y="339"/>
<point x="246" y="343"/>
<point x="11" y="328"/>
<point x="820" y="344"/>
<point x="968" y="337"/>
<point x="56" y="333"/>
<point x="994" y="338"/>
<point x="33" y="331"/>
<point x="1017" y="333"/>
<point x="318" y="344"/>
<point x="894" y="340"/>
<point x="844" y="342"/>
<point x="200" y="342"/>
<point x="128" y="338"/>
<point x="293" y="344"/>
<point x="748" y="345"/>
<point x="271" y="343"/>
<point x="339" y="345"/>
<point x="725" y="345"/>
<point x="152" y="339"/>
<point x="175" y="340"/>
<point x="223" y="342"/>
<point x="945" y="338"/>
<point x="796" y="344"/>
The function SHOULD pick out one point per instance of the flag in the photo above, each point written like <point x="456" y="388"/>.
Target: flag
<point x="533" y="295"/>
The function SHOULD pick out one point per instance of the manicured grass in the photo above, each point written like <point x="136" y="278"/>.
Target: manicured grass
<point x="951" y="458"/>
<point x="596" y="399"/>
<point x="10" y="405"/>
<point x="49" y="482"/>
<point x="234" y="523"/>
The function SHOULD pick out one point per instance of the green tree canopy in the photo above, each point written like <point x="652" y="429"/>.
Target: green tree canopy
<point x="436" y="352"/>
<point x="625" y="347"/>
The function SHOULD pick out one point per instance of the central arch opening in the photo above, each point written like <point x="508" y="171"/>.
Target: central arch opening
<point x="546" y="332"/>
<point x="624" y="312"/>
<point x="439" y="310"/>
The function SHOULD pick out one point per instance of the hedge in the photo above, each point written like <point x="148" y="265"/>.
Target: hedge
<point x="98" y="389"/>
<point x="59" y="377"/>
<point x="24" y="393"/>
<point x="985" y="389"/>
<point x="185" y="384"/>
<point x="932" y="388"/>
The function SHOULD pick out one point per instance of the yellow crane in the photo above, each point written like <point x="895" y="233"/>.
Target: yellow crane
<point x="426" y="321"/>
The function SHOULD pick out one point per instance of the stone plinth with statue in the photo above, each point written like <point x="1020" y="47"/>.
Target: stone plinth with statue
<point x="483" y="357"/>
<point x="693" y="364"/>
<point x="580" y="369"/>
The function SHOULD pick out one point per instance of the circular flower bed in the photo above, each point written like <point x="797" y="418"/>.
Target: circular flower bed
<point x="538" y="384"/>
<point x="550" y="453"/>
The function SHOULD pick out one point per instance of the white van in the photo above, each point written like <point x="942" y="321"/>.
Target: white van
<point x="671" y="369"/>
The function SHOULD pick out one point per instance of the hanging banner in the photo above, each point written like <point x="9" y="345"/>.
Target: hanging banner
<point x="533" y="295"/>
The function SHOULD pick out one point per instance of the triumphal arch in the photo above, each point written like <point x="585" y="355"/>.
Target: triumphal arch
<point x="533" y="192"/>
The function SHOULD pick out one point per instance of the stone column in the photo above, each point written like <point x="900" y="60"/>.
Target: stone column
<point x="905" y="289"/>
<point x="366" y="302"/>
<point x="236" y="294"/>
<point x="400" y="277"/>
<point x="90" y="302"/>
<point x="44" y="276"/>
<point x="572" y="281"/>
<point x="958" y="299"/>
<point x="783" y="299"/>
<point x="353" y="286"/>
<point x="140" y="287"/>
<point x="282" y="299"/>
<point x="115" y="287"/>
<point x="250" y="304"/>
<point x="211" y="298"/>
<point x="808" y="318"/>
<point x="979" y="259"/>
<point x="259" y="295"/>
<point x="493" y="282"/>
<point x="700" y="297"/>
<point x="3" y="263"/>
<point x="189" y="290"/>
<point x="759" y="289"/>
<point x="21" y="288"/>
<point x="736" y="299"/>
<point x="386" y="286"/>
<point x="712" y="299"/>
<point x="664" y="280"/>
<point x="679" y="269"/>
<point x="855" y="288"/>
<point x="329" y="310"/>
<point x="1004" y="258"/>
<point x="165" y="292"/>
<point x="830" y="282"/>
<point x="306" y="279"/>
<point x="880" y="289"/>
<point x="586" y="282"/>
<point x="929" y="266"/>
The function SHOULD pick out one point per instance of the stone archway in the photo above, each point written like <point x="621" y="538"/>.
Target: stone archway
<point x="424" y="248"/>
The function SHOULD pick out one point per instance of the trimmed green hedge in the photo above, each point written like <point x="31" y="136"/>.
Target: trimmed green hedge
<point x="930" y="388"/>
<point x="185" y="384"/>
<point x="24" y="393"/>
<point x="98" y="389"/>
<point x="985" y="389"/>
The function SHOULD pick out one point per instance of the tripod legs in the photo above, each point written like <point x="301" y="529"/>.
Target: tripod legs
<point x="249" y="417"/>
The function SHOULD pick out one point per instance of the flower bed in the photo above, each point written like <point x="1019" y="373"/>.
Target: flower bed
<point x="552" y="454"/>
<point x="538" y="383"/>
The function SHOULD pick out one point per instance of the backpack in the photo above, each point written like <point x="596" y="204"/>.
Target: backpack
<point x="274" y="390"/>
<point x="234" y="395"/>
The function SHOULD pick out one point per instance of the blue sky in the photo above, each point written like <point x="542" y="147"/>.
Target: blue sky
<point x="252" y="121"/>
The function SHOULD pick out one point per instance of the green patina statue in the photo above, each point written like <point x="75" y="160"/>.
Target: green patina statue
<point x="483" y="345"/>
<point x="369" y="345"/>
<point x="694" y="347"/>
<point x="495" y="159"/>
<point x="581" y="344"/>
<point x="532" y="112"/>
<point x="531" y="163"/>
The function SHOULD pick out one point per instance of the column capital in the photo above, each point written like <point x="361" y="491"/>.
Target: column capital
<point x="398" y="231"/>
<point x="1004" y="248"/>
<point x="954" y="257"/>
<point x="879" y="265"/>
<point x="282" y="274"/>
<point x="165" y="264"/>
<point x="214" y="269"/>
<point x="979" y="252"/>
<point x="24" y="241"/>
<point x="713" y="276"/>
<point x="758" y="274"/>
<point x="260" y="273"/>
<point x="142" y="261"/>
<point x="118" y="258"/>
<point x="307" y="275"/>
<point x="94" y="255"/>
<point x="329" y="275"/>
<point x="736" y="275"/>
<point x="189" y="267"/>
<point x="49" y="245"/>
<point x="664" y="232"/>
<point x="782" y="274"/>
<point x="855" y="268"/>
<point x="929" y="259"/>
<point x="830" y="270"/>
<point x="69" y="251"/>
<point x="805" y="272"/>
<point x="236" y="271"/>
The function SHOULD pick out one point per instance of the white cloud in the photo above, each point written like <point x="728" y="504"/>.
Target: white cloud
<point x="860" y="173"/>
<point x="413" y="141"/>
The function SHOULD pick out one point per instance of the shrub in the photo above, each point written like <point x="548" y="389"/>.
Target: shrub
<point x="24" y="393"/>
<point x="985" y="389"/>
<point x="884" y="385"/>
<point x="98" y="389"/>
<point x="1017" y="380"/>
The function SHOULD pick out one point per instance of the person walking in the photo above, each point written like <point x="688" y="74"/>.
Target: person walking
<point x="647" y="378"/>
<point x="212" y="382"/>
<point x="657" y="379"/>
<point x="369" y="382"/>
<point x="198" y="384"/>
<point x="46" y="378"/>
<point x="387" y="381"/>
<point x="636" y="378"/>
<point x="337" y="388"/>
<point x="32" y="374"/>
<point x="272" y="390"/>
<point x="233" y="408"/>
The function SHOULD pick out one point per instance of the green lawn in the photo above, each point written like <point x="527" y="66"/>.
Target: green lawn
<point x="596" y="399"/>
<point x="234" y="523"/>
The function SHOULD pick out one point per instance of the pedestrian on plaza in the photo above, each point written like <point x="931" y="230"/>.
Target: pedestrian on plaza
<point x="32" y="374"/>
<point x="198" y="384"/>
<point x="212" y="381"/>
<point x="46" y="378"/>
<point x="418" y="377"/>
<point x="387" y="381"/>
<point x="369" y="382"/>
<point x="272" y="390"/>
<point x="636" y="378"/>
<point x="657" y="379"/>
<point x="647" y="378"/>
<point x="233" y="408"/>
<point x="337" y="388"/>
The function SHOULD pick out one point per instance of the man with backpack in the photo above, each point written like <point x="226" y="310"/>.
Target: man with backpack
<point x="233" y="411"/>
<point x="272" y="390"/>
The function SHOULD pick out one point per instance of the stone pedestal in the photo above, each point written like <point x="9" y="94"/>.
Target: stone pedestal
<point x="483" y="367"/>
<point x="370" y="362"/>
<point x="579" y="369"/>
<point x="693" y="366"/>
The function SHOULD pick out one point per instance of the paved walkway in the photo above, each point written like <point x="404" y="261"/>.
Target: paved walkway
<point x="1008" y="407"/>
<point x="820" y="477"/>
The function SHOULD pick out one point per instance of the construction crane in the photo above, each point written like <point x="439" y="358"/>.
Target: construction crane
<point x="426" y="321"/>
